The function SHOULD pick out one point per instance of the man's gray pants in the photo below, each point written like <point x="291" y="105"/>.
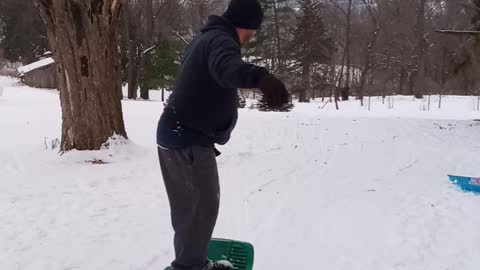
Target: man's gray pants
<point x="191" y="181"/>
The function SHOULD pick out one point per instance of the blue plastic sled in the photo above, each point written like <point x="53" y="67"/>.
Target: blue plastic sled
<point x="466" y="183"/>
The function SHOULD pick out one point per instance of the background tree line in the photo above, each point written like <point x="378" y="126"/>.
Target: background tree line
<point x="331" y="49"/>
<point x="355" y="47"/>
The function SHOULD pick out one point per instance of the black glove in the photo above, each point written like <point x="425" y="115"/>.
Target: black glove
<point x="274" y="91"/>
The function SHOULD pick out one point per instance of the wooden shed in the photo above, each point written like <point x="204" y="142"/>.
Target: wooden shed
<point x="40" y="74"/>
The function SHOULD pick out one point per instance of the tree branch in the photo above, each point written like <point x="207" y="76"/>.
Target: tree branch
<point x="148" y="50"/>
<point x="336" y="5"/>
<point x="178" y="35"/>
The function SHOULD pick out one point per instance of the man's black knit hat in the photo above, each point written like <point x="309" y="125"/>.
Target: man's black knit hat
<point x="246" y="14"/>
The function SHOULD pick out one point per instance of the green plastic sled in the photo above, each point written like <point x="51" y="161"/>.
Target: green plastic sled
<point x="240" y="254"/>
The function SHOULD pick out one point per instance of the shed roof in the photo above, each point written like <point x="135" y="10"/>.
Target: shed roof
<point x="35" y="65"/>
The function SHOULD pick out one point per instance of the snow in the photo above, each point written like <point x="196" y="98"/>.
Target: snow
<point x="311" y="189"/>
<point x="225" y="263"/>
<point x="35" y="65"/>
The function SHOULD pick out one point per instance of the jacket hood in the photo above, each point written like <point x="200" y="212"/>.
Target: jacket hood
<point x="218" y="23"/>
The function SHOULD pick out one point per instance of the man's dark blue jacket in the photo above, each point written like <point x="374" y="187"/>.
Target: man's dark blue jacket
<point x="203" y="107"/>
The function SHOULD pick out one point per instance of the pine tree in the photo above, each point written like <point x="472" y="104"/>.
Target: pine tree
<point x="265" y="107"/>
<point x="310" y="47"/>
<point x="268" y="48"/>
<point x="270" y="43"/>
<point x="164" y="63"/>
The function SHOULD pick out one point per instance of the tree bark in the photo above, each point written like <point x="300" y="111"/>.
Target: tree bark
<point x="147" y="41"/>
<point x="402" y="81"/>
<point x="133" y="69"/>
<point x="370" y="48"/>
<point x="367" y="67"/>
<point x="277" y="37"/>
<point x="334" y="81"/>
<point x="306" y="84"/>
<point x="419" y="72"/>
<point x="346" y="91"/>
<point x="134" y="60"/>
<point x="124" y="44"/>
<point x="83" y="38"/>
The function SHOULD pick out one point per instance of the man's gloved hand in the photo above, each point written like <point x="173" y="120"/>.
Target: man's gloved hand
<point x="274" y="91"/>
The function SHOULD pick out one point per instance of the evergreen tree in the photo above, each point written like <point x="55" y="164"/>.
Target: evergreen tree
<point x="311" y="46"/>
<point x="270" y="43"/>
<point x="22" y="33"/>
<point x="164" y="63"/>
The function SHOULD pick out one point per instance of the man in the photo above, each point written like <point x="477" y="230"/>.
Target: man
<point x="202" y="111"/>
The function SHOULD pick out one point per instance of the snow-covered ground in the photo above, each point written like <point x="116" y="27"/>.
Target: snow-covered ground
<point x="311" y="189"/>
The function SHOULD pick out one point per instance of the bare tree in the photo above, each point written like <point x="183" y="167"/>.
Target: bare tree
<point x="418" y="76"/>
<point x="83" y="37"/>
<point x="346" y="91"/>
<point x="133" y="10"/>
<point x="467" y="50"/>
<point x="372" y="7"/>
<point x="147" y="48"/>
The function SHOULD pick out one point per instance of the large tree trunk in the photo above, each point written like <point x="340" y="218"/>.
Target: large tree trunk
<point x="83" y="37"/>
